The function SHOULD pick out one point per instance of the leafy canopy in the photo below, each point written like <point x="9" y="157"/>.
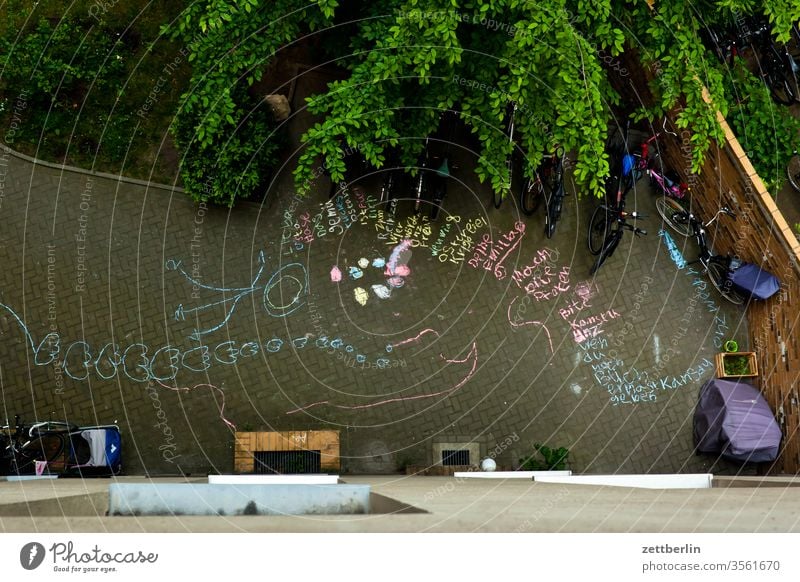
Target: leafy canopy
<point x="408" y="60"/>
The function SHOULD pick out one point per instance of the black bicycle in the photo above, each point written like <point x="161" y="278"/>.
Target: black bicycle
<point x="718" y="267"/>
<point x="497" y="197"/>
<point x="778" y="67"/>
<point x="421" y="184"/>
<point x="435" y="170"/>
<point x="391" y="179"/>
<point x="793" y="171"/>
<point x="553" y="177"/>
<point x="613" y="226"/>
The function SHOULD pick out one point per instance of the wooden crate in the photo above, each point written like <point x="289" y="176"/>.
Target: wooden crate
<point x="248" y="443"/>
<point x="752" y="364"/>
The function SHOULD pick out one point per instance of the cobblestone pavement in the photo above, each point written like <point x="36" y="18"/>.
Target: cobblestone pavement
<point x="119" y="303"/>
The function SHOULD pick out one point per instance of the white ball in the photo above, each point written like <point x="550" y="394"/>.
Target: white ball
<point x="488" y="464"/>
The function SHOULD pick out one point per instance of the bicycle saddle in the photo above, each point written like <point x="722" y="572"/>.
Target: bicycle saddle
<point x="444" y="169"/>
<point x="628" y="161"/>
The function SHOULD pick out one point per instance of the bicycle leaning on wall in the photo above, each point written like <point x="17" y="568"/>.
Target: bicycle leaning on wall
<point x="736" y="280"/>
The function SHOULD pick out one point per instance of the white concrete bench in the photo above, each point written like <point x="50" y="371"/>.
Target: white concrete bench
<point x="274" y="479"/>
<point x="666" y="481"/>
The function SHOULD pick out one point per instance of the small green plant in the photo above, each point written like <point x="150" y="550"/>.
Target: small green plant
<point x="731" y="346"/>
<point x="736" y="366"/>
<point x="548" y="459"/>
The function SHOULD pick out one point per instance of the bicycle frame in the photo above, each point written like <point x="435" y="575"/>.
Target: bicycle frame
<point x="667" y="186"/>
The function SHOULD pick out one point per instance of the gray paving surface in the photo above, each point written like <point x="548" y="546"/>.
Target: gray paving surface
<point x="242" y="324"/>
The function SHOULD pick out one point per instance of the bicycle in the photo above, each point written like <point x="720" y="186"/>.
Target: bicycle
<point x="390" y="180"/>
<point x="59" y="447"/>
<point x="793" y="171"/>
<point x="497" y="197"/>
<point x="554" y="191"/>
<point x="718" y="267"/>
<point x="421" y="184"/>
<point x="441" y="174"/>
<point x="777" y="66"/>
<point x="613" y="236"/>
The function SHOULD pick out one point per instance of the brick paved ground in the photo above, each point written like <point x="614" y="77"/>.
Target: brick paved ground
<point x="224" y="308"/>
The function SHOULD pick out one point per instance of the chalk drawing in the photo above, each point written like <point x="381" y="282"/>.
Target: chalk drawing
<point x="363" y="262"/>
<point x="361" y="296"/>
<point x="400" y="256"/>
<point x="294" y="274"/>
<point x="531" y="322"/>
<point x="355" y="272"/>
<point x="672" y="248"/>
<point x="379" y="263"/>
<point x="471" y="357"/>
<point x="336" y="274"/>
<point x="220" y="406"/>
<point x="140" y="363"/>
<point x="490" y="254"/>
<point x="382" y="291"/>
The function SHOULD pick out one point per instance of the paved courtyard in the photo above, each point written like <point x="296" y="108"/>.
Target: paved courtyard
<point x="124" y="304"/>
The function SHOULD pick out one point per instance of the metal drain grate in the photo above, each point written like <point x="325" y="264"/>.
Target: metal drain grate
<point x="455" y="457"/>
<point x="287" y="462"/>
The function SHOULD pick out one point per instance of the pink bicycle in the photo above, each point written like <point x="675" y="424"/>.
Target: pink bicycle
<point x="667" y="182"/>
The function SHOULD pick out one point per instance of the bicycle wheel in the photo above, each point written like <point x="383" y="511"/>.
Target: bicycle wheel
<point x="718" y="274"/>
<point x="793" y="171"/>
<point x="607" y="251"/>
<point x="48" y="447"/>
<point x="440" y="189"/>
<point x="531" y="195"/>
<point x="782" y="84"/>
<point x="497" y="198"/>
<point x="553" y="213"/>
<point x="598" y="229"/>
<point x="674" y="215"/>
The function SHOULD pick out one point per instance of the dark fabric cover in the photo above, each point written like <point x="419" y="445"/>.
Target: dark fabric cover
<point x="734" y="419"/>
<point x="755" y="281"/>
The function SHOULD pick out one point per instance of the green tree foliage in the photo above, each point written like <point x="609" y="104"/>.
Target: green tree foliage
<point x="559" y="60"/>
<point x="768" y="132"/>
<point x="226" y="135"/>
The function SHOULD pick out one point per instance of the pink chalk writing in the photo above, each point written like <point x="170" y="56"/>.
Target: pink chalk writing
<point x="491" y="254"/>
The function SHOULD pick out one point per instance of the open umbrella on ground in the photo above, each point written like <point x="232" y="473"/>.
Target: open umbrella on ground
<point x="733" y="419"/>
